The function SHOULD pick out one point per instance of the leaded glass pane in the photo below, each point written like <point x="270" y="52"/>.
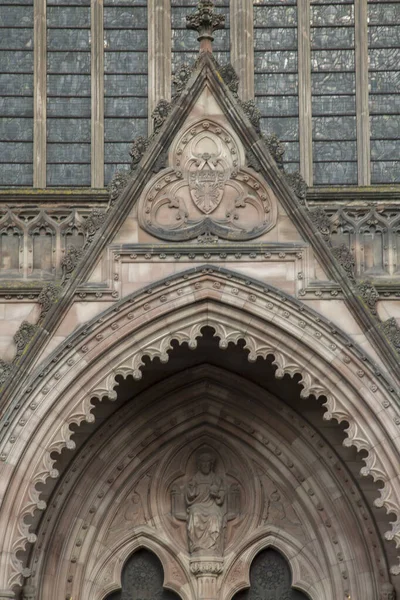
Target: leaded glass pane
<point x="125" y="80"/>
<point x="270" y="579"/>
<point x="142" y="577"/>
<point x="384" y="80"/>
<point x="16" y="85"/>
<point x="68" y="91"/>
<point x="333" y="92"/>
<point x="275" y="77"/>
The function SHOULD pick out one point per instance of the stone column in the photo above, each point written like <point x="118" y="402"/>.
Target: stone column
<point x="97" y="92"/>
<point x="242" y="45"/>
<point x="304" y="66"/>
<point x="207" y="571"/>
<point x="159" y="54"/>
<point x="362" y="99"/>
<point x="39" y="94"/>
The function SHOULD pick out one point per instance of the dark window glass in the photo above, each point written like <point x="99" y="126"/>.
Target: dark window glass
<point x="270" y="579"/>
<point x="142" y="577"/>
<point x="16" y="85"/>
<point x="125" y="80"/>
<point x="275" y="76"/>
<point x="384" y="82"/>
<point x="333" y="93"/>
<point x="68" y="93"/>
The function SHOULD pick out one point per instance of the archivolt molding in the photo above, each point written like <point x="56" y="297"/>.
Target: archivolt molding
<point x="145" y="325"/>
<point x="89" y="554"/>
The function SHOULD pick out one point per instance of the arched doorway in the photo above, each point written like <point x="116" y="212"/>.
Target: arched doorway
<point x="209" y="375"/>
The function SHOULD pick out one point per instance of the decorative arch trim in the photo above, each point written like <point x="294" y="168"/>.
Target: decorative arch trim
<point x="145" y="324"/>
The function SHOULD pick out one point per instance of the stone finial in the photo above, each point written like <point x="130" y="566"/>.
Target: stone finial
<point x="205" y="22"/>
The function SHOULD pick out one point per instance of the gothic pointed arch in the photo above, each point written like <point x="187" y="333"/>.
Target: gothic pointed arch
<point x="148" y="325"/>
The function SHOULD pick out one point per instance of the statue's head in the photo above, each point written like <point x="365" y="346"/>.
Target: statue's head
<point x="206" y="462"/>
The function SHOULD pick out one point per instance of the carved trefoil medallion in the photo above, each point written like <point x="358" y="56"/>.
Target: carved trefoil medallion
<point x="206" y="189"/>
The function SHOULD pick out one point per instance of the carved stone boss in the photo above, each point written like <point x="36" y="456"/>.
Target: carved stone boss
<point x="206" y="189"/>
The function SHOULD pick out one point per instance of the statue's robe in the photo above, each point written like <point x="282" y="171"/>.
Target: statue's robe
<point x="205" y="501"/>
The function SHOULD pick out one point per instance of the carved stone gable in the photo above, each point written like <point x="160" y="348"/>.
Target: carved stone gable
<point x="206" y="189"/>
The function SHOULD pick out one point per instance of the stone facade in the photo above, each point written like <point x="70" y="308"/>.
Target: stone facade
<point x="202" y="364"/>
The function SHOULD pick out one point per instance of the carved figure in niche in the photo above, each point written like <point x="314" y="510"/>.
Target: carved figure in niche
<point x="206" y="505"/>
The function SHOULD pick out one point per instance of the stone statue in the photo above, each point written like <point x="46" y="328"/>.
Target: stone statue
<point x="206" y="502"/>
<point x="206" y="508"/>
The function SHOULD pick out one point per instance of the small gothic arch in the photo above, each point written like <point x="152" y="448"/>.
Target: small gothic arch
<point x="142" y="578"/>
<point x="42" y="248"/>
<point x="270" y="579"/>
<point x="11" y="246"/>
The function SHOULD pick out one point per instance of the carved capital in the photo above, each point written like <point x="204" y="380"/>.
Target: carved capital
<point x="206" y="566"/>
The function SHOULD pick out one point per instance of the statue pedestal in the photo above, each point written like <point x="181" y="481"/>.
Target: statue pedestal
<point x="207" y="570"/>
<point x="6" y="595"/>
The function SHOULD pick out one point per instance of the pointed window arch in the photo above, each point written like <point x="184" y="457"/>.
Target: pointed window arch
<point x="270" y="579"/>
<point x="142" y="579"/>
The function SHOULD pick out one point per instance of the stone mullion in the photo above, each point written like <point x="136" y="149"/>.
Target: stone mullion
<point x="39" y="94"/>
<point x="159" y="54"/>
<point x="305" y="107"/>
<point x="242" y="45"/>
<point x="97" y="94"/>
<point x="362" y="99"/>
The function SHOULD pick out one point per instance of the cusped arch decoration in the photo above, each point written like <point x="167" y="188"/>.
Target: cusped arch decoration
<point x="271" y="569"/>
<point x="204" y="408"/>
<point x="144" y="324"/>
<point x="107" y="577"/>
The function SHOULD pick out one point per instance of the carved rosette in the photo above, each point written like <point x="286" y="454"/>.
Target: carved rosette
<point x="206" y="190"/>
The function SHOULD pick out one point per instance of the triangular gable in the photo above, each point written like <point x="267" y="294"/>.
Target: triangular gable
<point x="265" y="180"/>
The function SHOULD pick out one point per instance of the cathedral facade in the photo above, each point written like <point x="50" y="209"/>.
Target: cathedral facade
<point x="199" y="314"/>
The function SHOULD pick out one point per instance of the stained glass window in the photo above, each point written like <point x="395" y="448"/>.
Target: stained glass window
<point x="125" y="80"/>
<point x="68" y="93"/>
<point x="275" y="76"/>
<point x="185" y="47"/>
<point x="16" y="85"/>
<point x="384" y="81"/>
<point x="270" y="579"/>
<point x="333" y="92"/>
<point x="142" y="578"/>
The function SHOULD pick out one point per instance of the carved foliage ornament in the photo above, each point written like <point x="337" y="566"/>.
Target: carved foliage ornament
<point x="206" y="190"/>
